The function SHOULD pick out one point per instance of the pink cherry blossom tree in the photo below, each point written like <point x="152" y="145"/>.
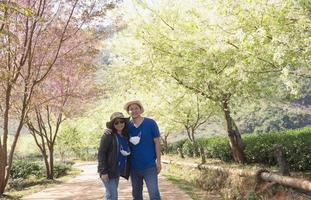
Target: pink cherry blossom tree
<point x="36" y="32"/>
<point x="63" y="94"/>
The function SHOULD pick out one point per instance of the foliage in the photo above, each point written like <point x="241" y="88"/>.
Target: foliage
<point x="77" y="141"/>
<point x="188" y="148"/>
<point x="61" y="169"/>
<point x="226" y="52"/>
<point x="214" y="49"/>
<point x="23" y="169"/>
<point x="259" y="148"/>
<point x="173" y="147"/>
<point x="218" y="147"/>
<point x="37" y="36"/>
<point x="68" y="140"/>
<point x="296" y="145"/>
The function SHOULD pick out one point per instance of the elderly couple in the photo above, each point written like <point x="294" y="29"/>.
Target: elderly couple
<point x="130" y="148"/>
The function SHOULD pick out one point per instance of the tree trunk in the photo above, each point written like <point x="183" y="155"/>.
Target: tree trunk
<point x="6" y="158"/>
<point x="46" y="163"/>
<point x="203" y="159"/>
<point x="51" y="164"/>
<point x="2" y="172"/>
<point x="165" y="146"/>
<point x="164" y="142"/>
<point x="195" y="149"/>
<point x="194" y="142"/>
<point x="281" y="159"/>
<point x="3" y="147"/>
<point x="235" y="140"/>
<point x="181" y="154"/>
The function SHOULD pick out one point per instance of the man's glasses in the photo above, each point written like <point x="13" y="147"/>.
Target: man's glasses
<point x="119" y="122"/>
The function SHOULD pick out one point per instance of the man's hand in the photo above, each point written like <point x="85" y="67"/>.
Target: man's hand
<point x="159" y="167"/>
<point x="104" y="178"/>
<point x="107" y="131"/>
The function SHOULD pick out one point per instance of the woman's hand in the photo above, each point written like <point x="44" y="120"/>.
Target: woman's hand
<point x="104" y="178"/>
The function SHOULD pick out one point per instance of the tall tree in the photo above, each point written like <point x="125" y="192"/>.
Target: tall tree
<point x="28" y="57"/>
<point x="227" y="52"/>
<point x="19" y="75"/>
<point x="64" y="93"/>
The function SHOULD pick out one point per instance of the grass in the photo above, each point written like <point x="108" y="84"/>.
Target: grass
<point x="185" y="179"/>
<point x="32" y="185"/>
<point x="209" y="184"/>
<point x="194" y="192"/>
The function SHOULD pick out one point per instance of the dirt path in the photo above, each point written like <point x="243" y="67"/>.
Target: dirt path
<point x="87" y="186"/>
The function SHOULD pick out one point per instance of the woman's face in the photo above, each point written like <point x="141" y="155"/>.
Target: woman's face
<point x="119" y="124"/>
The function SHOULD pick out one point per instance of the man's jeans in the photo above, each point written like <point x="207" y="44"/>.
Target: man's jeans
<point x="150" y="176"/>
<point x="111" y="189"/>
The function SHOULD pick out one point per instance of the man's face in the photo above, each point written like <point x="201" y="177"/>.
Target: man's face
<point x="134" y="110"/>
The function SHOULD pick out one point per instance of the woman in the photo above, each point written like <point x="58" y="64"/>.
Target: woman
<point x="113" y="155"/>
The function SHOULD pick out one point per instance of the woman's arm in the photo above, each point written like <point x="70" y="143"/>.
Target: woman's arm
<point x="102" y="154"/>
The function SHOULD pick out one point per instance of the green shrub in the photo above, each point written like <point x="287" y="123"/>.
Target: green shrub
<point x="296" y="145"/>
<point x="172" y="147"/>
<point x="218" y="147"/>
<point x="188" y="148"/>
<point x="61" y="170"/>
<point x="259" y="148"/>
<point x="23" y="169"/>
<point x="69" y="163"/>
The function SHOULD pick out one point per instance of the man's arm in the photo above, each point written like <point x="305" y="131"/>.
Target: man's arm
<point x="158" y="152"/>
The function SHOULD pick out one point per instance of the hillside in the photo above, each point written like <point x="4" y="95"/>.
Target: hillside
<point x="261" y="119"/>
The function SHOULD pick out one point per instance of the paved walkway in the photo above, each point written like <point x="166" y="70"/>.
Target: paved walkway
<point x="87" y="186"/>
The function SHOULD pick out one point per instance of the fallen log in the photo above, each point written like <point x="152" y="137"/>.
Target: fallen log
<point x="262" y="174"/>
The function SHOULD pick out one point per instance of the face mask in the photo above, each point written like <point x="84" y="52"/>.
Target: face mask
<point x="135" y="140"/>
<point x="124" y="153"/>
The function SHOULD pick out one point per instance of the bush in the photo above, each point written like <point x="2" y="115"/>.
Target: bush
<point x="296" y="145"/>
<point x="218" y="147"/>
<point x="69" y="163"/>
<point x="61" y="170"/>
<point x="23" y="169"/>
<point x="172" y="147"/>
<point x="259" y="148"/>
<point x="188" y="149"/>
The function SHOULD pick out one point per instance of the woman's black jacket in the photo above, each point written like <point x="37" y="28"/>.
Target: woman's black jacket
<point x="108" y="157"/>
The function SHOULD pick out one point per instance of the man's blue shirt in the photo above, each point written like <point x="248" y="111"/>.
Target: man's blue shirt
<point x="143" y="155"/>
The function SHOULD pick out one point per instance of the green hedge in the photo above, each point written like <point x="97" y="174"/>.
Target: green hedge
<point x="23" y="169"/>
<point x="172" y="147"/>
<point x="296" y="144"/>
<point x="188" y="148"/>
<point x="61" y="170"/>
<point x="218" y="147"/>
<point x="259" y="147"/>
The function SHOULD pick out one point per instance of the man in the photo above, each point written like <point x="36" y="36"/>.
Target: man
<point x="145" y="152"/>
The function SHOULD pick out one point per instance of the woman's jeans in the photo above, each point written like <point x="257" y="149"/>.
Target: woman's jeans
<point x="111" y="189"/>
<point x="150" y="176"/>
